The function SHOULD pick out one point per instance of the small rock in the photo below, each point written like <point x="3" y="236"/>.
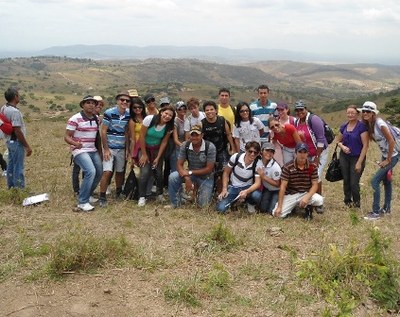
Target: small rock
<point x="107" y="291"/>
<point x="275" y="231"/>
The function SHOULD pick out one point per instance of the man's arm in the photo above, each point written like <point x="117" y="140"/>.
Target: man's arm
<point x="229" y="137"/>
<point x="21" y="138"/>
<point x="281" y="195"/>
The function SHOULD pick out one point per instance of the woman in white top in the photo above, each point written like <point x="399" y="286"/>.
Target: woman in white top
<point x="246" y="127"/>
<point x="379" y="131"/>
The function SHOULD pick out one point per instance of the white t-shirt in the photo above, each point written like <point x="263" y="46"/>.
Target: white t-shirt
<point x="272" y="170"/>
<point x="248" y="132"/>
<point x="190" y="121"/>
<point x="380" y="138"/>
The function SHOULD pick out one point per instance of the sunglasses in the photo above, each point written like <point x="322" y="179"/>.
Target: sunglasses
<point x="299" y="110"/>
<point x="366" y="111"/>
<point x="252" y="152"/>
<point x="151" y="100"/>
<point x="275" y="126"/>
<point x="243" y="111"/>
<point x="302" y="151"/>
<point x="136" y="108"/>
<point x="125" y="100"/>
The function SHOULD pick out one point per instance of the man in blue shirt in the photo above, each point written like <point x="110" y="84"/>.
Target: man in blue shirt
<point x="113" y="134"/>
<point x="263" y="109"/>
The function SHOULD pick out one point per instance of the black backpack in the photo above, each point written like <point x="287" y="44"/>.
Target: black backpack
<point x="131" y="188"/>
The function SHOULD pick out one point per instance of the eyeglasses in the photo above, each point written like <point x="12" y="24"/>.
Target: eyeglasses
<point x="252" y="152"/>
<point x="243" y="111"/>
<point x="366" y="111"/>
<point x="136" y="108"/>
<point x="275" y="126"/>
<point x="151" y="100"/>
<point x="125" y="100"/>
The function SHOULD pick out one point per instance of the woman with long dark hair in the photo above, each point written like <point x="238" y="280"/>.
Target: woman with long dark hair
<point x="155" y="133"/>
<point x="246" y="127"/>
<point x="137" y="111"/>
<point x="379" y="131"/>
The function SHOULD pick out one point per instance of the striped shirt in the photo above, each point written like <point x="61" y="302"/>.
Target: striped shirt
<point x="263" y="112"/>
<point x="85" y="131"/>
<point x="117" y="125"/>
<point x="299" y="181"/>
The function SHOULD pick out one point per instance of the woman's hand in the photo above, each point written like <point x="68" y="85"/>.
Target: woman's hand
<point x="143" y="160"/>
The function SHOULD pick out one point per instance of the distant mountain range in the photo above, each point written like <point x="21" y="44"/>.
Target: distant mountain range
<point x="206" y="53"/>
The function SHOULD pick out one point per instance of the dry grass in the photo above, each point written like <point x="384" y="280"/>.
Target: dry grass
<point x="175" y="266"/>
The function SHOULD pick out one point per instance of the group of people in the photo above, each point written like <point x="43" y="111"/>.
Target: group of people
<point x="256" y="153"/>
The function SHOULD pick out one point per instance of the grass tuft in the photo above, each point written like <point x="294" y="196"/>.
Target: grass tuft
<point x="223" y="237"/>
<point x="13" y="196"/>
<point x="346" y="278"/>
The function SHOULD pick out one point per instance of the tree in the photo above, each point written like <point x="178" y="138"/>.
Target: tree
<point x="392" y="108"/>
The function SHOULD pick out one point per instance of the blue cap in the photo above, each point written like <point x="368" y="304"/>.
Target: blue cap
<point x="301" y="147"/>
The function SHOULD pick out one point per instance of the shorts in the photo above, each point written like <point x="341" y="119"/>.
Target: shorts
<point x="116" y="162"/>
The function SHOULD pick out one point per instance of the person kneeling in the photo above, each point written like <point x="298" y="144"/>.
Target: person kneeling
<point x="200" y="155"/>
<point x="299" y="185"/>
<point x="244" y="178"/>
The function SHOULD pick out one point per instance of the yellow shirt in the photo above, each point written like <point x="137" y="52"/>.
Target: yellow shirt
<point x="228" y="114"/>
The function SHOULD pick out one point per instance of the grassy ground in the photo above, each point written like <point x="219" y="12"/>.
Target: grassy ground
<point x="130" y="261"/>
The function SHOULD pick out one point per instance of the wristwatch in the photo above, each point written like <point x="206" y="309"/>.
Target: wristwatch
<point x="190" y="172"/>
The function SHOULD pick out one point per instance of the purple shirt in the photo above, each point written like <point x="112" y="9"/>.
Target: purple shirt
<point x="352" y="139"/>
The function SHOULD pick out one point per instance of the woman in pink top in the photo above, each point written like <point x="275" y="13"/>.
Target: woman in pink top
<point x="286" y="136"/>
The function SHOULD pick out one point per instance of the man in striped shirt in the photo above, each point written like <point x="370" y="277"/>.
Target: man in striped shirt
<point x="299" y="185"/>
<point x="81" y="136"/>
<point x="114" y="139"/>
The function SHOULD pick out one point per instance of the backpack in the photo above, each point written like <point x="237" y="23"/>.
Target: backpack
<point x="5" y="124"/>
<point x="395" y="131"/>
<point x="188" y="144"/>
<point x="131" y="187"/>
<point x="328" y="132"/>
<point x="253" y="167"/>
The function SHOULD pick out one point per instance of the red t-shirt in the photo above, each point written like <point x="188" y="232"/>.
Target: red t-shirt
<point x="286" y="139"/>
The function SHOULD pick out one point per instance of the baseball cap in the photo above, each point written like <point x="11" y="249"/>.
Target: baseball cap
<point x="148" y="97"/>
<point x="164" y="100"/>
<point x="196" y="129"/>
<point x="299" y="104"/>
<point x="301" y="147"/>
<point x="180" y="104"/>
<point x="282" y="105"/>
<point x="268" y="146"/>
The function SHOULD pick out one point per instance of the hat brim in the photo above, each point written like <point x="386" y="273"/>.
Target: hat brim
<point x="367" y="109"/>
<point x="195" y="131"/>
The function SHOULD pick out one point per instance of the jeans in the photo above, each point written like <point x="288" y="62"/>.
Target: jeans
<point x="174" y="158"/>
<point x="91" y="165"/>
<point x="204" y="189"/>
<point x="146" y="173"/>
<point x="351" y="179"/>
<point x="15" y="168"/>
<point x="380" y="176"/>
<point x="268" y="200"/>
<point x="253" y="199"/>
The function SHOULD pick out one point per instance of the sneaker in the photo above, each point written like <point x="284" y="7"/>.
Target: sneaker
<point x="160" y="198"/>
<point x="372" y="216"/>
<point x="108" y="191"/>
<point x="142" y="202"/>
<point x="103" y="202"/>
<point x="85" y="207"/>
<point x="251" y="209"/>
<point x="186" y="196"/>
<point x="384" y="211"/>
<point x="308" y="213"/>
<point x="93" y="200"/>
<point x="169" y="206"/>
<point x="320" y="209"/>
<point x="4" y="173"/>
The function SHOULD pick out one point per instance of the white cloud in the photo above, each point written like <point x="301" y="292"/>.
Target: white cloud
<point x="332" y="26"/>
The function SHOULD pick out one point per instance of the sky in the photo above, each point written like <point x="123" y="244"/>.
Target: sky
<point x="365" y="28"/>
